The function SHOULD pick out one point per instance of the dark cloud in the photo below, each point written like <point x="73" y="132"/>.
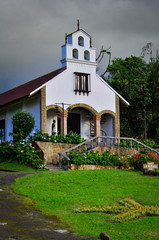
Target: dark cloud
<point x="32" y="32"/>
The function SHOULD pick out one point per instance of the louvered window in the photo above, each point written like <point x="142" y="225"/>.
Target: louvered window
<point x="82" y="83"/>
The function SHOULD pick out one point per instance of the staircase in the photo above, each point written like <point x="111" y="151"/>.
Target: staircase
<point x="52" y="167"/>
<point x="104" y="141"/>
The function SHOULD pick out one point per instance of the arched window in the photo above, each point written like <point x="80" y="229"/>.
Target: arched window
<point x="75" y="53"/>
<point x="81" y="41"/>
<point x="86" y="55"/>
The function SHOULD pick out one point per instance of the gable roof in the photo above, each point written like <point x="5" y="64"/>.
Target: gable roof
<point x="79" y="30"/>
<point x="25" y="89"/>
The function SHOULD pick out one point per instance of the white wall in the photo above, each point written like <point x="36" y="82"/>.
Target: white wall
<point x="61" y="89"/>
<point x="31" y="105"/>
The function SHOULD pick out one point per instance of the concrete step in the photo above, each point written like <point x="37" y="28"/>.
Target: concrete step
<point x="53" y="167"/>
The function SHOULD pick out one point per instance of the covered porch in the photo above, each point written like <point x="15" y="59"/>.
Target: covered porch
<point x="81" y="119"/>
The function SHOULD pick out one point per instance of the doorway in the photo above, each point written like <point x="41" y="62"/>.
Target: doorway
<point x="73" y="123"/>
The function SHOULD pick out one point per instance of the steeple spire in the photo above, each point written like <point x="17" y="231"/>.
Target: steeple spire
<point x="78" y="24"/>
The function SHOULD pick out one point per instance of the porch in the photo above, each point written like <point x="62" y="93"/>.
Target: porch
<point x="81" y="119"/>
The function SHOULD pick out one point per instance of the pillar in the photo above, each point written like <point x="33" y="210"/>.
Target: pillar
<point x="97" y="125"/>
<point x="63" y="117"/>
<point x="117" y="118"/>
<point x="43" y="115"/>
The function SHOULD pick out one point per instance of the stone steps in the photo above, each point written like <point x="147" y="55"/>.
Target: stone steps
<point x="53" y="167"/>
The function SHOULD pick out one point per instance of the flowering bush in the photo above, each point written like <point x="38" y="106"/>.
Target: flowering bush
<point x="125" y="162"/>
<point x="69" y="138"/>
<point x="106" y="159"/>
<point x="153" y="157"/>
<point x="137" y="160"/>
<point x="23" y="152"/>
<point x="93" y="158"/>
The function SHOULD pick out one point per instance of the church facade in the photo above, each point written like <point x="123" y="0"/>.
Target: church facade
<point x="73" y="98"/>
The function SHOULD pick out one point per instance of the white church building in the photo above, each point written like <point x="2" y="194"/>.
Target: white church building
<point x="73" y="98"/>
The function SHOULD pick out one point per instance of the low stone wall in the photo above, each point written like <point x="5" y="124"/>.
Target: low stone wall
<point x="89" y="167"/>
<point x="50" y="150"/>
<point x="121" y="150"/>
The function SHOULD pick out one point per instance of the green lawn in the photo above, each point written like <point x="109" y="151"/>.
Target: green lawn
<point x="16" y="167"/>
<point x="60" y="193"/>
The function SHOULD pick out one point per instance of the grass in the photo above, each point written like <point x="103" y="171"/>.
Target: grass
<point x="60" y="193"/>
<point x="16" y="167"/>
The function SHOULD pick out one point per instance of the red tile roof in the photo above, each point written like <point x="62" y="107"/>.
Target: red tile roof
<point x="25" y="89"/>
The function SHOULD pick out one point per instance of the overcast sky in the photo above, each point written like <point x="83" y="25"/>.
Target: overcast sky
<point x="32" y="32"/>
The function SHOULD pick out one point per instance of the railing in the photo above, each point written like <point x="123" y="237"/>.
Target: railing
<point x="106" y="141"/>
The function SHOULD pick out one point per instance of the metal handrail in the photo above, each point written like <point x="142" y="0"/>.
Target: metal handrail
<point x="94" y="142"/>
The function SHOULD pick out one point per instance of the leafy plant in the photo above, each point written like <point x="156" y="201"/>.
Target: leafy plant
<point x="23" y="123"/>
<point x="137" y="160"/>
<point x="153" y="157"/>
<point x="22" y="152"/>
<point x="93" y="158"/>
<point x="69" y="138"/>
<point x="125" y="162"/>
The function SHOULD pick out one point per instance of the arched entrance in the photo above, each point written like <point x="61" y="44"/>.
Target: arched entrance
<point x="54" y="119"/>
<point x="107" y="124"/>
<point x="81" y="120"/>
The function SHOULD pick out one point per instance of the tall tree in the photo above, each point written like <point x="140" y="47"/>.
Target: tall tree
<point x="152" y="57"/>
<point x="129" y="77"/>
<point x="153" y="79"/>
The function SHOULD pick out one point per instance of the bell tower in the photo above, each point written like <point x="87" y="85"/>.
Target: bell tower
<point x="78" y="48"/>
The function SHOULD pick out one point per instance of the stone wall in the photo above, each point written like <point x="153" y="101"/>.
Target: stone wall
<point x="50" y="150"/>
<point x="90" y="167"/>
<point x="121" y="150"/>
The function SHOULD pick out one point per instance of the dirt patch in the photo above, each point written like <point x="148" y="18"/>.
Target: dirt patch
<point x="21" y="221"/>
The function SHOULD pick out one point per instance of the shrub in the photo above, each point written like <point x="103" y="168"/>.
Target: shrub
<point x="73" y="138"/>
<point x="23" y="123"/>
<point x="124" y="162"/>
<point x="93" y="158"/>
<point x="69" y="138"/>
<point x="137" y="160"/>
<point x="22" y="152"/>
<point x="106" y="159"/>
<point x="153" y="157"/>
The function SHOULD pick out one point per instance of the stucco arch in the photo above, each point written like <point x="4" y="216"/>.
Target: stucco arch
<point x="53" y="106"/>
<point x="107" y="123"/>
<point x="113" y="114"/>
<point x="86" y="106"/>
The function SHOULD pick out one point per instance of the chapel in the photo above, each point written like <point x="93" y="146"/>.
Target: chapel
<point x="73" y="98"/>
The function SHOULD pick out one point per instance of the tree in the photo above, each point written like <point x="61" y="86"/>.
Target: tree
<point x="152" y="57"/>
<point x="153" y="79"/>
<point x="23" y="123"/>
<point x="129" y="77"/>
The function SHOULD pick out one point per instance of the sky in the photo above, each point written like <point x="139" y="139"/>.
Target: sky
<point x="33" y="31"/>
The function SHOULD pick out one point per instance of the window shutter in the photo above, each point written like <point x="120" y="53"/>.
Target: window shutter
<point x="89" y="83"/>
<point x="82" y="82"/>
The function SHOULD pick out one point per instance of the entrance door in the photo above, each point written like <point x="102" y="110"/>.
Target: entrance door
<point x="58" y="125"/>
<point x="73" y="123"/>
